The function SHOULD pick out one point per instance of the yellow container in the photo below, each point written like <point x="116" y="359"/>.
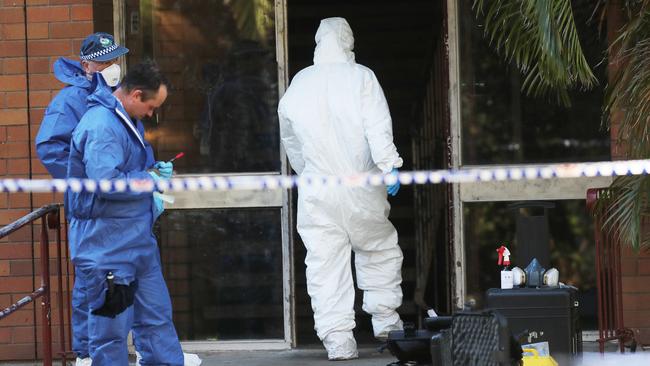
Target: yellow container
<point x="537" y="360"/>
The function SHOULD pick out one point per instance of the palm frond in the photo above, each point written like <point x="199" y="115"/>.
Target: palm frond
<point x="540" y="37"/>
<point x="623" y="210"/>
<point x="628" y="95"/>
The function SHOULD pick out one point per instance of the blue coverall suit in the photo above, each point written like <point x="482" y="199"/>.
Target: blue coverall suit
<point x="112" y="232"/>
<point x="53" y="149"/>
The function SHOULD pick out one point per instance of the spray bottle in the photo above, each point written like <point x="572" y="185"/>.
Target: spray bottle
<point x="507" y="280"/>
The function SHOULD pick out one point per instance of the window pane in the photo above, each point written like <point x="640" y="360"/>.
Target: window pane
<point x="501" y="125"/>
<point x="220" y="58"/>
<point x="489" y="225"/>
<point x="224" y="272"/>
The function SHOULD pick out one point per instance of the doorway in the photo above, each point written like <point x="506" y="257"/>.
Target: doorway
<point x="399" y="41"/>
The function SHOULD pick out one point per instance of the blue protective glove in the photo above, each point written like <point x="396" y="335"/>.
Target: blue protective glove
<point x="393" y="188"/>
<point x="154" y="175"/>
<point x="166" y="168"/>
<point x="159" y="205"/>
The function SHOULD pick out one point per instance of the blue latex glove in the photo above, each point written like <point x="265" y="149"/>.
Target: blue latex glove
<point x="153" y="175"/>
<point x="165" y="168"/>
<point x="159" y="205"/>
<point x="393" y="188"/>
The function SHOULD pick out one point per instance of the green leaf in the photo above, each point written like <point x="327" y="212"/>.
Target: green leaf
<point x="540" y="37"/>
<point x="622" y="208"/>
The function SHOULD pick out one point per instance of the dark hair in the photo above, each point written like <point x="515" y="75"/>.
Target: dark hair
<point x="145" y="76"/>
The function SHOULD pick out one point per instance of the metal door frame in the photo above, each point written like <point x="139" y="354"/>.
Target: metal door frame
<point x="238" y="199"/>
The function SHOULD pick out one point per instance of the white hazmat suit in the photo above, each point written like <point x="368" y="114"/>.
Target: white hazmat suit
<point x="334" y="120"/>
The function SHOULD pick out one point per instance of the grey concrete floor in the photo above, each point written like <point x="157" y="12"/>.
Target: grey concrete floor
<point x="296" y="357"/>
<point x="370" y="357"/>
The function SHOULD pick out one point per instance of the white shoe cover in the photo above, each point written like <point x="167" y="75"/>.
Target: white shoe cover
<point x="84" y="361"/>
<point x="189" y="359"/>
<point x="385" y="325"/>
<point x="340" y="346"/>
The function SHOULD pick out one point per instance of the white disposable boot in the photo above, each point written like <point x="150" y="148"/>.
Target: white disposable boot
<point x="84" y="361"/>
<point x="191" y="359"/>
<point x="340" y="346"/>
<point x="384" y="324"/>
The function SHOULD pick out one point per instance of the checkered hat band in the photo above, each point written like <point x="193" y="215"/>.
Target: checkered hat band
<point x="99" y="53"/>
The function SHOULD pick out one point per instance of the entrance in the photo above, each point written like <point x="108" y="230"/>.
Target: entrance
<point x="232" y="262"/>
<point x="402" y="42"/>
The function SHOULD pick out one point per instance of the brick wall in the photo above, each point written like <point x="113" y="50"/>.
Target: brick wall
<point x="636" y="292"/>
<point x="33" y="34"/>
<point x="635" y="266"/>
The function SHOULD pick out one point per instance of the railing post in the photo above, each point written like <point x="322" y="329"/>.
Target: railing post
<point x="54" y="222"/>
<point x="46" y="309"/>
<point x="68" y="283"/>
<point x="50" y="216"/>
<point x="609" y="286"/>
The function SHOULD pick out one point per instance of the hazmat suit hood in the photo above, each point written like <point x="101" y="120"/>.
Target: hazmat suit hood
<point x="70" y="72"/>
<point x="102" y="94"/>
<point x="62" y="115"/>
<point x="334" y="41"/>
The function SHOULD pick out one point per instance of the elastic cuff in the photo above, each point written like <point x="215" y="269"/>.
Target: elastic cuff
<point x="387" y="168"/>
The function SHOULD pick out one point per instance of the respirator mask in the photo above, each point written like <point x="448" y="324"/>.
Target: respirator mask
<point x="534" y="275"/>
<point x="112" y="75"/>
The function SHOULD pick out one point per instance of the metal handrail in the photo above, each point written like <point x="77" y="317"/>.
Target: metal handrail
<point x="50" y="219"/>
<point x="29" y="218"/>
<point x="609" y="286"/>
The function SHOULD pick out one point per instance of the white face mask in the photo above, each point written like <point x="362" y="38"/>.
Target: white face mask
<point x="112" y="75"/>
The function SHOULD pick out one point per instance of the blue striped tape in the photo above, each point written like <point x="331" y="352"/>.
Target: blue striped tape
<point x="266" y="182"/>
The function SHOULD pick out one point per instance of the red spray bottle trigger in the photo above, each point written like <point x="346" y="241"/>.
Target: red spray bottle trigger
<point x="504" y="256"/>
<point x="507" y="280"/>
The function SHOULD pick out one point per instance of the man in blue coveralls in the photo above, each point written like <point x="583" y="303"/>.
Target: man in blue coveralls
<point x="99" y="54"/>
<point x="111" y="240"/>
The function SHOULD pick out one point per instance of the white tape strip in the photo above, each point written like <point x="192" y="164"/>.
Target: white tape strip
<point x="256" y="182"/>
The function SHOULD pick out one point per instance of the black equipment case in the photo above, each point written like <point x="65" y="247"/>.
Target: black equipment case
<point x="481" y="339"/>
<point x="543" y="315"/>
<point x="466" y="339"/>
<point x="413" y="344"/>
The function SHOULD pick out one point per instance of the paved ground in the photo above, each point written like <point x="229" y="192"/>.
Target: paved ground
<point x="300" y="357"/>
<point x="296" y="357"/>
<point x="613" y="359"/>
<point x="370" y="357"/>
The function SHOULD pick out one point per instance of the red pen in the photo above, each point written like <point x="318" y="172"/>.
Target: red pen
<point x="178" y="156"/>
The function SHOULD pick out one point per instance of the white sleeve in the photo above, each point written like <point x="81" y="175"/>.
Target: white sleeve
<point x="378" y="125"/>
<point x="290" y="141"/>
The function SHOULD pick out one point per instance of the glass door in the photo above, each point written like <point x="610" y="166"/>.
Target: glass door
<point x="225" y="254"/>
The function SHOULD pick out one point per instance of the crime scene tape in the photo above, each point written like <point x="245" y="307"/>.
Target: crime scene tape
<point x="267" y="182"/>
